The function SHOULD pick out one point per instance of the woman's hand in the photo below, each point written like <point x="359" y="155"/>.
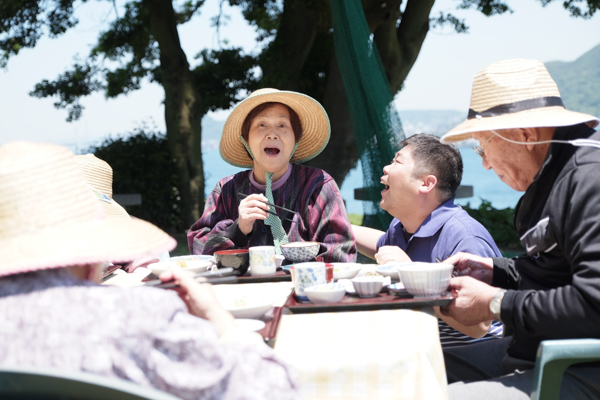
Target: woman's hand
<point x="200" y="299"/>
<point x="388" y="254"/>
<point x="252" y="208"/>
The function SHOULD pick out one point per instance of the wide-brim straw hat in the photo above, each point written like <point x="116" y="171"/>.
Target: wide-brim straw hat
<point x="313" y="118"/>
<point x="99" y="175"/>
<point x="515" y="94"/>
<point x="49" y="217"/>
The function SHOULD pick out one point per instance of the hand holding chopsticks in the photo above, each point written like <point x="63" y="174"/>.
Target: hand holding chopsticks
<point x="243" y="196"/>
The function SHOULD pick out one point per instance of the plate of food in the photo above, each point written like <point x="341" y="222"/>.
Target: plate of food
<point x="193" y="264"/>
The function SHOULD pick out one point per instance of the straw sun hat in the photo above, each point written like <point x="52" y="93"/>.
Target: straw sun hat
<point x="514" y="94"/>
<point x="49" y="218"/>
<point x="313" y="118"/>
<point x="99" y="175"/>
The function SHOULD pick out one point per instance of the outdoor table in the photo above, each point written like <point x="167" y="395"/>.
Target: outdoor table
<point x="366" y="354"/>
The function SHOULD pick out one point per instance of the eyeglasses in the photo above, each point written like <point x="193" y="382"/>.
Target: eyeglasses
<point x="479" y="149"/>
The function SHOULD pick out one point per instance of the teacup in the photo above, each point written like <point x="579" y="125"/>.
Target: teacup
<point x="262" y="260"/>
<point x="307" y="275"/>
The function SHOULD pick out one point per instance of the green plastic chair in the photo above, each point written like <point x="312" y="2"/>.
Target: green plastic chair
<point x="553" y="358"/>
<point x="42" y="383"/>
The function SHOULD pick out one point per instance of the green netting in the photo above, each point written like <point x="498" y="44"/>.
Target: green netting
<point x="375" y="121"/>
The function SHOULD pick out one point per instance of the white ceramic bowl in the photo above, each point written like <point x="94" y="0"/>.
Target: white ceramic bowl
<point x="390" y="270"/>
<point x="345" y="270"/>
<point x="300" y="251"/>
<point x="192" y="265"/>
<point x="327" y="293"/>
<point x="425" y="279"/>
<point x="251" y="311"/>
<point x="367" y="286"/>
<point x="250" y="324"/>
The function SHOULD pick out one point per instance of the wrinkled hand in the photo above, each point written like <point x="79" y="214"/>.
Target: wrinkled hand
<point x="251" y="208"/>
<point x="472" y="301"/>
<point x="388" y="254"/>
<point x="200" y="299"/>
<point x="474" y="266"/>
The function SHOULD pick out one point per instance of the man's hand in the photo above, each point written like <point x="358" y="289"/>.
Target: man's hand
<point x="251" y="208"/>
<point x="388" y="254"/>
<point x="472" y="301"/>
<point x="474" y="266"/>
<point x="200" y="299"/>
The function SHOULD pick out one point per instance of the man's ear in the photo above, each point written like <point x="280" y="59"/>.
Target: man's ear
<point x="429" y="183"/>
<point x="529" y="135"/>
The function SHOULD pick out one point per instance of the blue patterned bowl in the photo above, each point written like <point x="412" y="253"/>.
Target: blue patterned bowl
<point x="300" y="251"/>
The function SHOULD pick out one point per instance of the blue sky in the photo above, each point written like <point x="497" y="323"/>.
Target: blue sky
<point x="440" y="79"/>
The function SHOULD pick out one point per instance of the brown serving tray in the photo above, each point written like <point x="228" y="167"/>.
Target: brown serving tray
<point x="279" y="276"/>
<point x="350" y="302"/>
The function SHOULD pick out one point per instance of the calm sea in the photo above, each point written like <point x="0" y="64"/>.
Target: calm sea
<point x="486" y="184"/>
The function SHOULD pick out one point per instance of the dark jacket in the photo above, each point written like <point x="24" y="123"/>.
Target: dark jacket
<point x="556" y="286"/>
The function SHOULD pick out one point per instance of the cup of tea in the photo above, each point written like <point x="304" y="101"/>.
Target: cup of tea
<point x="307" y="275"/>
<point x="262" y="260"/>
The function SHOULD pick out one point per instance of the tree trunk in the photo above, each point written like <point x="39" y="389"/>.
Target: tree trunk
<point x="183" y="108"/>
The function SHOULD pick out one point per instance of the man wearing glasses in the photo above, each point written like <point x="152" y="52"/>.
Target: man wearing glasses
<point x="537" y="146"/>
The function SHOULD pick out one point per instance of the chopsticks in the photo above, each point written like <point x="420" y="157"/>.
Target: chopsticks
<point x="213" y="278"/>
<point x="276" y="206"/>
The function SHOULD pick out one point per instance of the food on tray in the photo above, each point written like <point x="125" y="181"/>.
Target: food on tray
<point x="371" y="273"/>
<point x="240" y="302"/>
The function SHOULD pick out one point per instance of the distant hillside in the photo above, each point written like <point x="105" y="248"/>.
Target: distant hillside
<point x="579" y="82"/>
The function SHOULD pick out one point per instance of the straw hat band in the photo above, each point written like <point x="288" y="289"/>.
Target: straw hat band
<point x="524" y="105"/>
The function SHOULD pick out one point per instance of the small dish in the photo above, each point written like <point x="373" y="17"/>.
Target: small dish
<point x="390" y="270"/>
<point x="426" y="279"/>
<point x="238" y="259"/>
<point x="250" y="324"/>
<point x="327" y="293"/>
<point x="188" y="264"/>
<point x="345" y="270"/>
<point x="367" y="286"/>
<point x="398" y="289"/>
<point x="252" y="311"/>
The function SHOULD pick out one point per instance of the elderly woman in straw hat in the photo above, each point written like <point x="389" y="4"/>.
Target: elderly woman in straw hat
<point x="534" y="144"/>
<point x="272" y="132"/>
<point x="54" y="238"/>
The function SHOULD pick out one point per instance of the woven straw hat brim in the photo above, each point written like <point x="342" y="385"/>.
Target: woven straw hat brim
<point x="536" y="118"/>
<point x="315" y="126"/>
<point x="50" y="218"/>
<point x="108" y="240"/>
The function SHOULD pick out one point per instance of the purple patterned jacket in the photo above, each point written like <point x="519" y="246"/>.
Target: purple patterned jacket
<point x="311" y="192"/>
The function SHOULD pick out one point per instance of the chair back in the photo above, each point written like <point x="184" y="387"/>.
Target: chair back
<point x="34" y="383"/>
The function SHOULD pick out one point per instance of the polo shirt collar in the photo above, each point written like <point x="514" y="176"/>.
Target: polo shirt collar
<point x="437" y="219"/>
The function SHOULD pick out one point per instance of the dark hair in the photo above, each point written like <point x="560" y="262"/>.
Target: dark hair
<point x="436" y="158"/>
<point x="294" y="119"/>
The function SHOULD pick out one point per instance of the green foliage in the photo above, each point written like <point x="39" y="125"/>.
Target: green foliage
<point x="356" y="219"/>
<point x="142" y="164"/>
<point x="487" y="7"/>
<point x="579" y="82"/>
<point x="498" y="222"/>
<point x="222" y="75"/>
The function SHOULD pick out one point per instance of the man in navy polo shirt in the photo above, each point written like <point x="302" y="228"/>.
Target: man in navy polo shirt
<point x="420" y="185"/>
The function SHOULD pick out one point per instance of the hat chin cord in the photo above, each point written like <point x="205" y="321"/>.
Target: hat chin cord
<point x="575" y="142"/>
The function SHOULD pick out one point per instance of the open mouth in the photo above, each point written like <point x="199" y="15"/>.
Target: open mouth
<point x="386" y="185"/>
<point x="272" y="151"/>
